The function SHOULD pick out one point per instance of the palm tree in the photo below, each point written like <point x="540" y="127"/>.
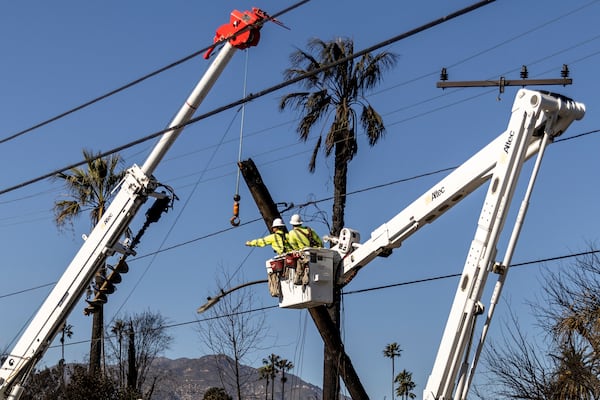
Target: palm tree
<point x="405" y="385"/>
<point x="67" y="330"/>
<point x="272" y="361"/>
<point x="331" y="96"/>
<point x="90" y="189"/>
<point x="265" y="372"/>
<point x="574" y="375"/>
<point x="392" y="351"/>
<point x="284" y="365"/>
<point x="337" y="91"/>
<point x="118" y="329"/>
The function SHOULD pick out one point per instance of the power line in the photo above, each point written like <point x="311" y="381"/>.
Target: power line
<point x="242" y="101"/>
<point x="248" y="98"/>
<point x="399" y="283"/>
<point x="145" y="77"/>
<point x="445" y="169"/>
<point x="373" y="187"/>
<point x="264" y="92"/>
<point x="358" y="291"/>
<point x="435" y="278"/>
<point x="178" y="324"/>
<point x="27" y="290"/>
<point x="323" y="200"/>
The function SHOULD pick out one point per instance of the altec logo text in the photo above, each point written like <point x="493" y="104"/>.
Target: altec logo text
<point x="437" y="193"/>
<point x="508" y="142"/>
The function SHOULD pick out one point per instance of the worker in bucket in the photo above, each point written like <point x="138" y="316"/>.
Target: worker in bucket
<point x="278" y="239"/>
<point x="302" y="236"/>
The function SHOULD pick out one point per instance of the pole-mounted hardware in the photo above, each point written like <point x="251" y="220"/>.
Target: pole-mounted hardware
<point x="502" y="82"/>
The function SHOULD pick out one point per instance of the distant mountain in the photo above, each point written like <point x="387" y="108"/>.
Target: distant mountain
<point x="189" y="379"/>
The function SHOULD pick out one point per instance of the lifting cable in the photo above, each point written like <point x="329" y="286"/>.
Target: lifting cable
<point x="235" y="220"/>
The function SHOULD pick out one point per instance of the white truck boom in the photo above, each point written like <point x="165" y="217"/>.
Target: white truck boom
<point x="241" y="32"/>
<point x="536" y="119"/>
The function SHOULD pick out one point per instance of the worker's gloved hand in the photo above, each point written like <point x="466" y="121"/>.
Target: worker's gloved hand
<point x="248" y="243"/>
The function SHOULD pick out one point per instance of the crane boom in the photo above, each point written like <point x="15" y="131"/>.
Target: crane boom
<point x="241" y="32"/>
<point x="536" y="119"/>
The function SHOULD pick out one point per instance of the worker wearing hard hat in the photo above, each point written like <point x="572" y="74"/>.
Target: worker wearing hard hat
<point x="278" y="239"/>
<point x="302" y="236"/>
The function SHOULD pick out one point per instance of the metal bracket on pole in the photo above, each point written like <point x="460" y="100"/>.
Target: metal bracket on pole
<point x="503" y="82"/>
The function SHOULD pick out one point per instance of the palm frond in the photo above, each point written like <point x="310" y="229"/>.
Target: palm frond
<point x="370" y="68"/>
<point x="65" y="211"/>
<point x="294" y="100"/>
<point x="313" y="159"/>
<point x="340" y="88"/>
<point x="92" y="186"/>
<point x="372" y="123"/>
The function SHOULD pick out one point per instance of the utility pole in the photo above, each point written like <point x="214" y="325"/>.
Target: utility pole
<point x="325" y="325"/>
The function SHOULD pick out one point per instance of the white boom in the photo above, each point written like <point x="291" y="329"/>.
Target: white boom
<point x="241" y="32"/>
<point x="536" y="119"/>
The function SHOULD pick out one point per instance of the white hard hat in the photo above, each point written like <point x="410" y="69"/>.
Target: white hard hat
<point x="296" y="220"/>
<point x="277" y="222"/>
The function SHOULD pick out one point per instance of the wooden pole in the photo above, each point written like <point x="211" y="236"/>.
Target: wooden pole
<point x="325" y="325"/>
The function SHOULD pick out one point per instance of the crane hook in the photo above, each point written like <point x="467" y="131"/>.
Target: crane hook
<point x="235" y="220"/>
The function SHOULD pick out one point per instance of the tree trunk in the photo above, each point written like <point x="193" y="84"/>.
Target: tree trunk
<point x="272" y="381"/>
<point x="132" y="370"/>
<point x="331" y="361"/>
<point x="238" y="384"/>
<point x="393" y="376"/>
<point x="340" y="179"/>
<point x="96" y="343"/>
<point x="333" y="340"/>
<point x="267" y="389"/>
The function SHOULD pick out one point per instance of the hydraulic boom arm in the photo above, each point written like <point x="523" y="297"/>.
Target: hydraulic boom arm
<point x="241" y="32"/>
<point x="537" y="118"/>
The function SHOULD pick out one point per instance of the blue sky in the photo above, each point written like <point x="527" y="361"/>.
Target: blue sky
<point x="60" y="55"/>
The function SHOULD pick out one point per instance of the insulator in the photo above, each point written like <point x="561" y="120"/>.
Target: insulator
<point x="524" y="72"/>
<point x="564" y="72"/>
<point x="444" y="74"/>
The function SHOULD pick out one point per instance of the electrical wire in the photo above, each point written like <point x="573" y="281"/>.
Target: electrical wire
<point x="314" y="202"/>
<point x="131" y="144"/>
<point x="193" y="55"/>
<point x="406" y="283"/>
<point x="172" y="227"/>
<point x="244" y="103"/>
<point x="263" y="92"/>
<point x="147" y="76"/>
<point x="317" y="201"/>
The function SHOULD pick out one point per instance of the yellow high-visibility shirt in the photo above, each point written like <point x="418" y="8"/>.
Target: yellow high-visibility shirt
<point x="302" y="236"/>
<point x="278" y="241"/>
